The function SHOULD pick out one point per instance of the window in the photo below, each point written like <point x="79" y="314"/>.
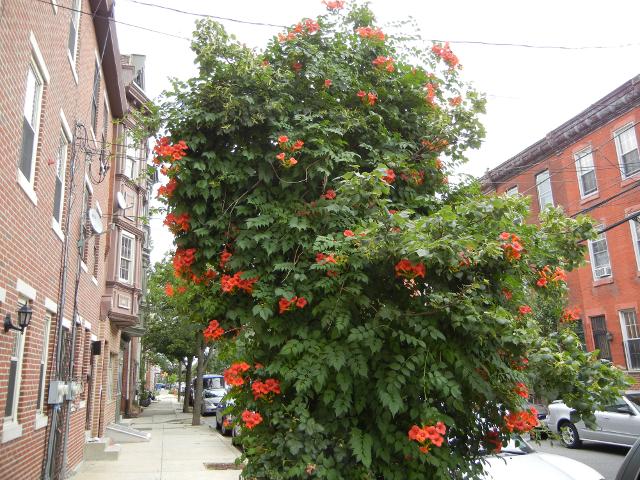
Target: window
<point x="74" y="27"/>
<point x="127" y="244"/>
<point x="44" y="355"/>
<point x="600" y="340"/>
<point x="61" y="167"/>
<point x="15" y="373"/>
<point x="131" y="158"/>
<point x="130" y="199"/>
<point x="599" y="253"/>
<point x="31" y="122"/>
<point x="512" y="192"/>
<point x="95" y="97"/>
<point x="635" y="235"/>
<point x="545" y="196"/>
<point x="627" y="148"/>
<point x="631" y="336"/>
<point x="586" y="172"/>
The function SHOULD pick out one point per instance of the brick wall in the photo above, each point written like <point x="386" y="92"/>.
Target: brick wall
<point x="621" y="291"/>
<point x="30" y="249"/>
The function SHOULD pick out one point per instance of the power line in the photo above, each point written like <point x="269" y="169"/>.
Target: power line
<point x="94" y="15"/>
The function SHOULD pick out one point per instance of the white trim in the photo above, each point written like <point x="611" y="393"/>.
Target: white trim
<point x="66" y="323"/>
<point x="94" y="280"/>
<point x="82" y="404"/>
<point x="88" y="183"/>
<point x="65" y="126"/>
<point x="73" y="67"/>
<point x="79" y="320"/>
<point x="27" y="187"/>
<point x="625" y="336"/>
<point x="84" y="267"/>
<point x="10" y="431"/>
<point x="616" y="141"/>
<point x="87" y="325"/>
<point x="37" y="54"/>
<point x="50" y="305"/>
<point x="56" y="228"/>
<point x="132" y="260"/>
<point x="3" y="295"/>
<point x="41" y="421"/>
<point x="538" y="184"/>
<point x="99" y="63"/>
<point x="592" y="258"/>
<point x="26" y="290"/>
<point x="54" y="4"/>
<point x="635" y="239"/>
<point x="94" y="338"/>
<point x="578" y="156"/>
<point x="98" y="209"/>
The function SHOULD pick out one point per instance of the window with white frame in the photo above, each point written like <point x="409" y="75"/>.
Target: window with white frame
<point x="127" y="249"/>
<point x="31" y="122"/>
<point x="131" y="157"/>
<point x="61" y="167"/>
<point x="15" y="373"/>
<point x="512" y="192"/>
<point x="631" y="336"/>
<point x="74" y="29"/>
<point x="627" y="148"/>
<point x="599" y="253"/>
<point x="635" y="235"/>
<point x="545" y="195"/>
<point x="95" y="99"/>
<point x="44" y="355"/>
<point x="586" y="172"/>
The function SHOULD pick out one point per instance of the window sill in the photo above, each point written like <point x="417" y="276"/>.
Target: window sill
<point x="41" y="421"/>
<point x="11" y="431"/>
<point x="56" y="228"/>
<point x="83" y="266"/>
<point x="634" y="177"/>
<point x="28" y="188"/>
<point x="602" y="281"/>
<point x="590" y="198"/>
<point x="94" y="280"/>
<point x="73" y="67"/>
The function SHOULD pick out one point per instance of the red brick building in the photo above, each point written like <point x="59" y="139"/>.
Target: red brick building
<point x="71" y="248"/>
<point x="591" y="164"/>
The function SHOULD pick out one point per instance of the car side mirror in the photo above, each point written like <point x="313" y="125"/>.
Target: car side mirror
<point x="624" y="409"/>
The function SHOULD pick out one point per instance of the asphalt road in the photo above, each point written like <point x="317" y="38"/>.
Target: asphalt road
<point x="606" y="459"/>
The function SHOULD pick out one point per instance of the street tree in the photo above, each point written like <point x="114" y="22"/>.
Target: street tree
<point x="377" y="317"/>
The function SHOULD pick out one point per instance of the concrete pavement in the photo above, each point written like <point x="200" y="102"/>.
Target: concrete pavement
<point x="176" y="450"/>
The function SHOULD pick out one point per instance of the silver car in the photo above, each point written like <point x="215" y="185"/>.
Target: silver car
<point x="617" y="424"/>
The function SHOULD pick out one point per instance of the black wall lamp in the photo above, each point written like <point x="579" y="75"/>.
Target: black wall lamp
<point x="24" y="317"/>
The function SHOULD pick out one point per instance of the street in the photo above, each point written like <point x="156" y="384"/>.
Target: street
<point x="606" y="459"/>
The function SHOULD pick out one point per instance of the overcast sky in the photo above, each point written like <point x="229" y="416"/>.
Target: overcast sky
<point x="530" y="91"/>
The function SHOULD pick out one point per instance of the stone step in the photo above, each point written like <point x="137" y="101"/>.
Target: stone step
<point x="126" y="434"/>
<point x="101" y="449"/>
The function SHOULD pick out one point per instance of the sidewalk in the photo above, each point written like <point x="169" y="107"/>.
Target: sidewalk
<point x="176" y="450"/>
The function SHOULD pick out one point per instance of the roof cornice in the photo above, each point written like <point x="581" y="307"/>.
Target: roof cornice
<point x="611" y="106"/>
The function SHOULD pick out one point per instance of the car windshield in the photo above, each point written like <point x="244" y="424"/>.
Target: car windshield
<point x="635" y="399"/>
<point x="516" y="446"/>
<point x="213" y="383"/>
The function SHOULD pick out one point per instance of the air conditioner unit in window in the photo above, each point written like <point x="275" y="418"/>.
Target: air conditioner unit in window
<point x="603" y="272"/>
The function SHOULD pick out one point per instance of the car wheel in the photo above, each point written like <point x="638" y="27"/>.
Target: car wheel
<point x="569" y="435"/>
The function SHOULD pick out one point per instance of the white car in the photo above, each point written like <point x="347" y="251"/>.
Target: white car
<point x="521" y="462"/>
<point x="617" y="424"/>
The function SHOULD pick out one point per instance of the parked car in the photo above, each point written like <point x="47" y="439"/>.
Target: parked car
<point x="617" y="424"/>
<point x="630" y="468"/>
<point x="518" y="460"/>
<point x="225" y="421"/>
<point x="213" y="389"/>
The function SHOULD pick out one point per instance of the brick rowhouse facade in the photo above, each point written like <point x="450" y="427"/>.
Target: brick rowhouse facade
<point x="591" y="165"/>
<point x="60" y="66"/>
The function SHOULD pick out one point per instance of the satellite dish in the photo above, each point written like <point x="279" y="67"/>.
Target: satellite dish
<point x="121" y="201"/>
<point x="95" y="221"/>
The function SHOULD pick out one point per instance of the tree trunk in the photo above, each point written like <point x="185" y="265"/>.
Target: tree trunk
<point x="179" y="379"/>
<point x="197" y="394"/>
<point x="187" y="384"/>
